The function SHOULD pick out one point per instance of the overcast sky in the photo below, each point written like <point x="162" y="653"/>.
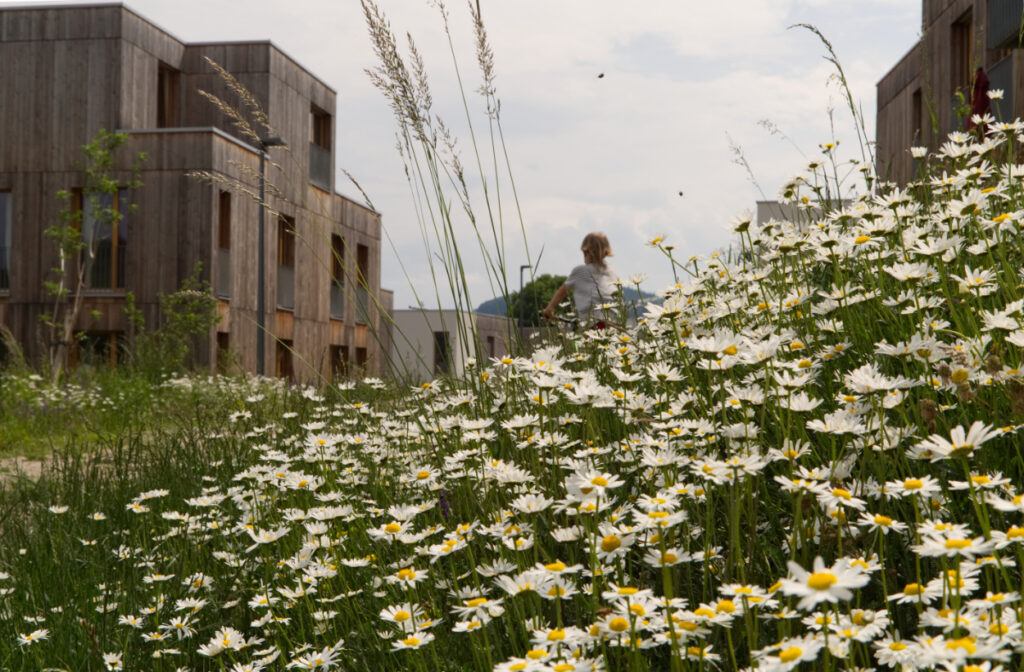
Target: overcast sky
<point x="607" y="153"/>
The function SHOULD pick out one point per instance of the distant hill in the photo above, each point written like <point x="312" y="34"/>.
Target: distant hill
<point x="496" y="306"/>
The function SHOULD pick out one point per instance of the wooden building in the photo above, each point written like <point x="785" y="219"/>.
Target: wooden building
<point x="430" y="343"/>
<point x="69" y="71"/>
<point x="927" y="94"/>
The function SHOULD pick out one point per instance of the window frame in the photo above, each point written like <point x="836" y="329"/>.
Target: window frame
<point x="118" y="261"/>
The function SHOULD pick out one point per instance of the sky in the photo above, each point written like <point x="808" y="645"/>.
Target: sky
<point x="647" y="150"/>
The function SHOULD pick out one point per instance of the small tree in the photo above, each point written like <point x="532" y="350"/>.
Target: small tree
<point x="188" y="314"/>
<point x="534" y="297"/>
<point x="73" y="252"/>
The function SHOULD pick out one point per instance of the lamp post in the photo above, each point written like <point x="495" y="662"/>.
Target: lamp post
<point x="261" y="270"/>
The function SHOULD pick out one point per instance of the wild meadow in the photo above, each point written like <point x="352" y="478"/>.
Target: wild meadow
<point x="805" y="454"/>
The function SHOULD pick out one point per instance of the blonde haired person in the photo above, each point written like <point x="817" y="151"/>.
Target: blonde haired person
<point x="592" y="284"/>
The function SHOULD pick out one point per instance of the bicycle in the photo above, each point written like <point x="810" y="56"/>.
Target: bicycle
<point x="565" y="323"/>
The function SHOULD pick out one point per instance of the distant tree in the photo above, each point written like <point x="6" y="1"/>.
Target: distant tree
<point x="535" y="296"/>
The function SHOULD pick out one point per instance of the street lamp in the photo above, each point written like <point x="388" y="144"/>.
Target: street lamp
<point x="261" y="271"/>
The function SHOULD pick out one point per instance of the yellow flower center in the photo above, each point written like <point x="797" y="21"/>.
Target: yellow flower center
<point x="790" y="654"/>
<point x="402" y="615"/>
<point x="618" y="624"/>
<point x="964" y="643"/>
<point x="392" y="528"/>
<point x="821" y="580"/>
<point x="884" y="521"/>
<point x="913" y="484"/>
<point x="725" y="605"/>
<point x="610" y="543"/>
<point x="556" y="566"/>
<point x="599" y="481"/>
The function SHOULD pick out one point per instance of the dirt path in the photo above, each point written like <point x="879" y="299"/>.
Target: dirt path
<point x="14" y="467"/>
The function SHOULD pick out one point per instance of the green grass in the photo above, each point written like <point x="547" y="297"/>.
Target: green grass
<point x="718" y="465"/>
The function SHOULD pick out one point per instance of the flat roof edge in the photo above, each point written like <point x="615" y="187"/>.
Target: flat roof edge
<point x="102" y="3"/>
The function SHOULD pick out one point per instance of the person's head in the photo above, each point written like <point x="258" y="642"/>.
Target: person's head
<point x="595" y="248"/>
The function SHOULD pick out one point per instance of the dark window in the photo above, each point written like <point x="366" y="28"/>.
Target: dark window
<point x="962" y="54"/>
<point x="363" y="284"/>
<point x="223" y="349"/>
<point x="284" y="360"/>
<point x="339" y="362"/>
<point x="167" y="88"/>
<point x="490" y="346"/>
<point x="223" y="284"/>
<point x="105" y="225"/>
<point x="321" y="164"/>
<point x="363" y="262"/>
<point x="320" y="128"/>
<point x="224" y="221"/>
<point x="337" y="277"/>
<point x="338" y="260"/>
<point x="361" y="358"/>
<point x="97" y="348"/>
<point x="442" y="352"/>
<point x="286" y="263"/>
<point x="286" y="241"/>
<point x="6" y="212"/>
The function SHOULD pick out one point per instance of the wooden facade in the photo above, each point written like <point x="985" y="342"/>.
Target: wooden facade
<point x="73" y="70"/>
<point x="919" y="98"/>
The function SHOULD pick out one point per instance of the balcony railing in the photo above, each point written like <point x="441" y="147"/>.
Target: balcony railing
<point x="286" y="287"/>
<point x="223" y="284"/>
<point x="1000" y="76"/>
<point x="1003" y="23"/>
<point x="337" y="301"/>
<point x="362" y="305"/>
<point x="320" y="166"/>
